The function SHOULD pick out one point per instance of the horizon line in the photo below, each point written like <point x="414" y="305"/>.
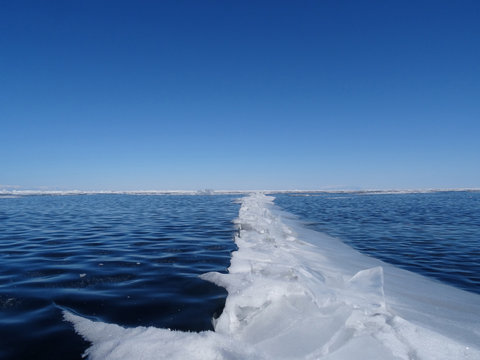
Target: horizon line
<point x="226" y="192"/>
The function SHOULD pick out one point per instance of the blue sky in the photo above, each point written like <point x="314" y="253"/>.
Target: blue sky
<point x="130" y="95"/>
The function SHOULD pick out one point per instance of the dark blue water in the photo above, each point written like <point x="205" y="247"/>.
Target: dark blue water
<point x="130" y="260"/>
<point x="434" y="234"/>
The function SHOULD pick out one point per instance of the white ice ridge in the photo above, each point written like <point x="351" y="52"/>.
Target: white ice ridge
<point x="297" y="294"/>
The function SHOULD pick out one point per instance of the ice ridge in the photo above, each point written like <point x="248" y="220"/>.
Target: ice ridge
<point x="289" y="299"/>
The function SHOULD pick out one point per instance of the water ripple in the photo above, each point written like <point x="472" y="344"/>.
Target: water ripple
<point x="131" y="260"/>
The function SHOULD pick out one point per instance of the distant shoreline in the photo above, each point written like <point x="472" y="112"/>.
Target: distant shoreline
<point x="5" y="193"/>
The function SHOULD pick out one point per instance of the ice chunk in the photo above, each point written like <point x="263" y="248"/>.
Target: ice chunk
<point x="365" y="289"/>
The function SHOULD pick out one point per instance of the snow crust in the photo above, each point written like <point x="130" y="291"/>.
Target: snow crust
<point x="294" y="293"/>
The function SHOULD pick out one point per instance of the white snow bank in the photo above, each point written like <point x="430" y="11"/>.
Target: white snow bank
<point x="297" y="294"/>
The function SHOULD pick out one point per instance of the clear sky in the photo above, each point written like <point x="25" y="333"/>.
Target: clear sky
<point x="131" y="95"/>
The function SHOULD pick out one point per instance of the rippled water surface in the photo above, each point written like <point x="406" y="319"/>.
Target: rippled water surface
<point x="130" y="260"/>
<point x="434" y="234"/>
